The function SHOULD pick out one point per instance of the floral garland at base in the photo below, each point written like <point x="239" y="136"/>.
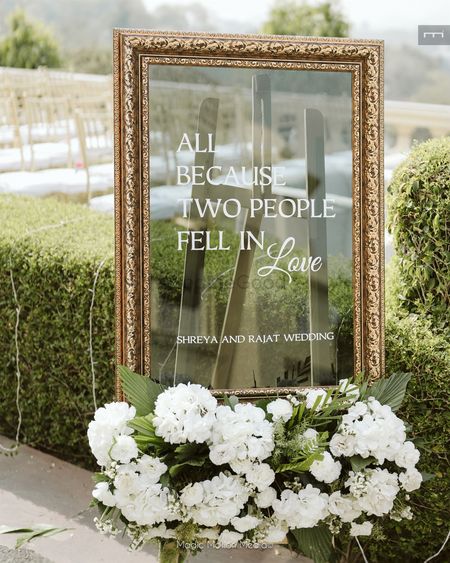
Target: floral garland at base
<point x="310" y="470"/>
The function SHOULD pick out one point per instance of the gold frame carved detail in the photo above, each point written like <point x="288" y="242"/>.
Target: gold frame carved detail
<point x="134" y="51"/>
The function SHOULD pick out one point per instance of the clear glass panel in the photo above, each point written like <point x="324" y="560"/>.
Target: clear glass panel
<point x="251" y="226"/>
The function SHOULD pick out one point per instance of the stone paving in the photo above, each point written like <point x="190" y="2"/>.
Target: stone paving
<point x="36" y="488"/>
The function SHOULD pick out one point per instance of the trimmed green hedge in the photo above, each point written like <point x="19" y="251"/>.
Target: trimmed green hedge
<point x="419" y="220"/>
<point x="53" y="250"/>
<point x="412" y="346"/>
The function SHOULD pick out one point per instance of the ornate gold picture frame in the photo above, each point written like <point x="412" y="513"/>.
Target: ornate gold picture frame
<point x="135" y="54"/>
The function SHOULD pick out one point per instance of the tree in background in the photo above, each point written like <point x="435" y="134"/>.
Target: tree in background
<point x="290" y="17"/>
<point x="29" y="44"/>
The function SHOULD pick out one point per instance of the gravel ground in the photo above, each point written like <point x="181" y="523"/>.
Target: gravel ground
<point x="20" y="556"/>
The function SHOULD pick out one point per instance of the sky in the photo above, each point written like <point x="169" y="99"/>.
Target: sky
<point x="363" y="14"/>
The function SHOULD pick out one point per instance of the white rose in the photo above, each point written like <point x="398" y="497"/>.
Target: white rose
<point x="260" y="475"/>
<point x="245" y="523"/>
<point x="280" y="409"/>
<point x="343" y="444"/>
<point x="229" y="539"/>
<point x="410" y="480"/>
<point x="265" y="498"/>
<point x="407" y="456"/>
<point x="192" y="494"/>
<point x="124" y="449"/>
<point x="326" y="470"/>
<point x="364" y="529"/>
<point x="102" y="493"/>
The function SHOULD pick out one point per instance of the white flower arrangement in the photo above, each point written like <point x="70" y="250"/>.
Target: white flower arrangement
<point x="180" y="468"/>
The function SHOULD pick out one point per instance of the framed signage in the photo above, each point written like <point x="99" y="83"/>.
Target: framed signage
<point x="249" y="209"/>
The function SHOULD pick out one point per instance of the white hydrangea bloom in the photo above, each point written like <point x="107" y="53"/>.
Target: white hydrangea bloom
<point x="304" y="509"/>
<point x="102" y="493"/>
<point x="265" y="498"/>
<point x="280" y="409"/>
<point x="312" y="395"/>
<point x="344" y="506"/>
<point x="350" y="390"/>
<point x="209" y="533"/>
<point x="310" y="434"/>
<point x="326" y="470"/>
<point x="364" y="529"/>
<point x="271" y="530"/>
<point x="161" y="531"/>
<point x="408" y="456"/>
<point x="150" y="506"/>
<point x="369" y="429"/>
<point x="240" y="466"/>
<point x="410" y="480"/>
<point x="140" y="498"/>
<point x="260" y="475"/>
<point x="109" y="422"/>
<point x="274" y="534"/>
<point x="150" y="468"/>
<point x="229" y="539"/>
<point x="224" y="496"/>
<point x="185" y="413"/>
<point x="192" y="494"/>
<point x="374" y="489"/>
<point x="240" y="434"/>
<point x="343" y="444"/>
<point x="245" y="523"/>
<point x="124" y="449"/>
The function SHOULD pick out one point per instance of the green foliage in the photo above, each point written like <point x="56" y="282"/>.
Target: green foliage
<point x="289" y="17"/>
<point x="28" y="534"/>
<point x="29" y="44"/>
<point x="359" y="463"/>
<point x="390" y="391"/>
<point x="139" y="390"/>
<point x="412" y="346"/>
<point x="315" y="543"/>
<point x="419" y="220"/>
<point x="53" y="251"/>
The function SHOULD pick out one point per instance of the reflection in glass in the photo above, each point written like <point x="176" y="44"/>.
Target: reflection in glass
<point x="251" y="226"/>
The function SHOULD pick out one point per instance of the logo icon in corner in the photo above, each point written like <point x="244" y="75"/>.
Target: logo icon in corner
<point x="434" y="34"/>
